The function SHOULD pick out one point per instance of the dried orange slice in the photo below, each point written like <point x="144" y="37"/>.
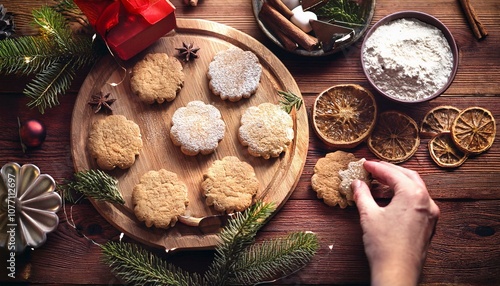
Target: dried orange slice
<point x="437" y="120"/>
<point x="395" y="137"/>
<point x="344" y="115"/>
<point x="444" y="152"/>
<point x="473" y="130"/>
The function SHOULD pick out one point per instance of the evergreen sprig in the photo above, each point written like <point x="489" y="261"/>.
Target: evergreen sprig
<point x="53" y="57"/>
<point x="94" y="184"/>
<point x="274" y="259"/>
<point x="237" y="260"/>
<point x="140" y="267"/>
<point x="289" y="100"/>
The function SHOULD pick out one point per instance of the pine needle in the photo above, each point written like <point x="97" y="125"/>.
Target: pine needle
<point x="239" y="233"/>
<point x="53" y="56"/>
<point x="94" y="184"/>
<point x="140" y="267"/>
<point x="274" y="259"/>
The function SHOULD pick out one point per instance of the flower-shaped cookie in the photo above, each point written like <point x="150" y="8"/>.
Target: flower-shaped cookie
<point x="197" y="128"/>
<point x="234" y="74"/>
<point x="230" y="185"/>
<point x="115" y="141"/>
<point x="266" y="129"/>
<point x="28" y="206"/>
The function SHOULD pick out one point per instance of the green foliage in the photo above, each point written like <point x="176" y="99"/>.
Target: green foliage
<point x="342" y="10"/>
<point x="140" y="267"/>
<point x="238" y="261"/>
<point x="289" y="100"/>
<point x="53" y="57"/>
<point x="94" y="184"/>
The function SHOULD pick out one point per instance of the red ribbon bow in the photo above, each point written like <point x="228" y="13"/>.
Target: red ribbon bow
<point x="105" y="14"/>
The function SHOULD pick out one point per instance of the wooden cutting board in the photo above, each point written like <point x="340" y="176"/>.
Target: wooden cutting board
<point x="277" y="176"/>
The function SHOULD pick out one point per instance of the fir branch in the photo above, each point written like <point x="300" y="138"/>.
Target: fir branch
<point x="140" y="267"/>
<point x="239" y="233"/>
<point x="48" y="84"/>
<point x="289" y="100"/>
<point x="94" y="184"/>
<point x="27" y="55"/>
<point x="53" y="25"/>
<point x="274" y="259"/>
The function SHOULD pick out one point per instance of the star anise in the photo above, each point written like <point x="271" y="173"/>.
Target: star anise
<point x="188" y="51"/>
<point x="99" y="100"/>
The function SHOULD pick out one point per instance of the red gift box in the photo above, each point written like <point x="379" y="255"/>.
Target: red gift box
<point x="129" y="26"/>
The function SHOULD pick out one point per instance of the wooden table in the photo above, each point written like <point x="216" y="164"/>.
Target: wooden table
<point x="465" y="249"/>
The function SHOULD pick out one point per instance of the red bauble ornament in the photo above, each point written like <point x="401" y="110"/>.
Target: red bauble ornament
<point x="32" y="133"/>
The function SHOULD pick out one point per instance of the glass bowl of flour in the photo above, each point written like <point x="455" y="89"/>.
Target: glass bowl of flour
<point x="409" y="57"/>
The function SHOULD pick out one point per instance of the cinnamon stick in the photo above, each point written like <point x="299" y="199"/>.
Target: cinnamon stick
<point x="303" y="39"/>
<point x="281" y="7"/>
<point x="287" y="43"/>
<point x="476" y="26"/>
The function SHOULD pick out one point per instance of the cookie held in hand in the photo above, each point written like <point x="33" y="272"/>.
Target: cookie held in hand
<point x="114" y="141"/>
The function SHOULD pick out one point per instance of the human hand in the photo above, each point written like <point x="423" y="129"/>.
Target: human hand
<point x="397" y="236"/>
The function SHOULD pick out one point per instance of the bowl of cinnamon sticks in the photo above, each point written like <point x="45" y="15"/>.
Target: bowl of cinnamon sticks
<point x="313" y="27"/>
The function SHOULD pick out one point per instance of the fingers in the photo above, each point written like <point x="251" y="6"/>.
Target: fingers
<point x="363" y="197"/>
<point x="394" y="176"/>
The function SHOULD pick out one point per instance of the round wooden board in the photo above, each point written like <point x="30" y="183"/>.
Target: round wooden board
<point x="277" y="176"/>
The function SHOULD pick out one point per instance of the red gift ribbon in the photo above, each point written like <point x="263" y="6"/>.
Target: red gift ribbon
<point x="105" y="14"/>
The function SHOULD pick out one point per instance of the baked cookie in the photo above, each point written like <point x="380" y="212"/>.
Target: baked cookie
<point x="159" y="198"/>
<point x="156" y="78"/>
<point x="326" y="179"/>
<point x="197" y="128"/>
<point x="234" y="74"/>
<point x="354" y="171"/>
<point x="230" y="185"/>
<point x="266" y="129"/>
<point x="114" y="141"/>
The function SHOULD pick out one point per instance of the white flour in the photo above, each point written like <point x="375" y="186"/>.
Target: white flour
<point x="408" y="59"/>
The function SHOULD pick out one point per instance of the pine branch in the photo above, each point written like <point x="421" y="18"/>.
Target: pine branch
<point x="140" y="267"/>
<point x="94" y="184"/>
<point x="238" y="234"/>
<point x="48" y="84"/>
<point x="274" y="259"/>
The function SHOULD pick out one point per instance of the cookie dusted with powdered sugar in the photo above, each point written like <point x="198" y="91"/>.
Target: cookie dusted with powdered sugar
<point x="230" y="185"/>
<point x="197" y="128"/>
<point x="234" y="74"/>
<point x="160" y="198"/>
<point x="157" y="78"/>
<point x="266" y="129"/>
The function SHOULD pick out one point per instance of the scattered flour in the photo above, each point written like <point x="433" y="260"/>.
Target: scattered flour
<point x="408" y="59"/>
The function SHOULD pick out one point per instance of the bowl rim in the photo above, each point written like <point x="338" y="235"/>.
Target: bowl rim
<point x="256" y="6"/>
<point x="428" y="19"/>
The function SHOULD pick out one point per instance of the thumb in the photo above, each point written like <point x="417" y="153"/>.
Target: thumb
<point x="363" y="197"/>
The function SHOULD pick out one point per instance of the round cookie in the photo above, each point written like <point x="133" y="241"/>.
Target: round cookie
<point x="266" y="129"/>
<point x="197" y="128"/>
<point x="230" y="185"/>
<point x="114" y="141"/>
<point x="156" y="78"/>
<point x="234" y="74"/>
<point x="326" y="180"/>
<point x="159" y="198"/>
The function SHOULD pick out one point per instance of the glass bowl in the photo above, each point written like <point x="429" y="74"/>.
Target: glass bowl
<point x="428" y="19"/>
